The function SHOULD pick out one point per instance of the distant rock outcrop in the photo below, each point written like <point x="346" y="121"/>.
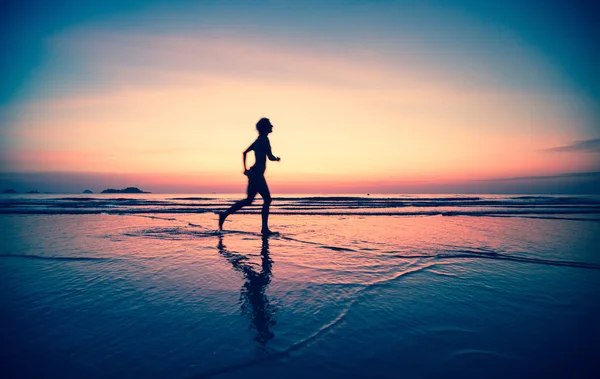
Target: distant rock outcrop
<point x="33" y="191"/>
<point x="10" y="190"/>
<point x="125" y="190"/>
<point x="87" y="191"/>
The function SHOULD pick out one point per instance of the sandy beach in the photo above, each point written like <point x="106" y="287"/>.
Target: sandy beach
<point x="166" y="295"/>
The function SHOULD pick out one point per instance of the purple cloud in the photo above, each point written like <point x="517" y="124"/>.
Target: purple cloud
<point x="587" y="146"/>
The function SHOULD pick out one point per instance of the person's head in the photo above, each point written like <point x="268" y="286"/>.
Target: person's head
<point x="264" y="126"/>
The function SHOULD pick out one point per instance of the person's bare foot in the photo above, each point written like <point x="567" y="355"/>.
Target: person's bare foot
<point x="267" y="232"/>
<point x="221" y="220"/>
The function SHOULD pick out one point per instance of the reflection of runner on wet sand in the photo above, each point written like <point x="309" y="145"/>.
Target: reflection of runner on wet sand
<point x="254" y="301"/>
<point x="256" y="176"/>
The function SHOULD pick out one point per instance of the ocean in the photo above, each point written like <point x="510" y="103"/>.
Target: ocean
<point x="369" y="286"/>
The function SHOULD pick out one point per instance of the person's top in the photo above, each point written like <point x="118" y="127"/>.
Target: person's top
<point x="262" y="151"/>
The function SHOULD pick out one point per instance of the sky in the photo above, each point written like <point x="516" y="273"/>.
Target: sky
<point x="365" y="96"/>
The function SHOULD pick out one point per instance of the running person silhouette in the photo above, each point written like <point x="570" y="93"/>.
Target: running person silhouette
<point x="256" y="176"/>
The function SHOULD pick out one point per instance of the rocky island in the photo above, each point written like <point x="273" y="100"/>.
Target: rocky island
<point x="10" y="190"/>
<point x="87" y="191"/>
<point x="125" y="190"/>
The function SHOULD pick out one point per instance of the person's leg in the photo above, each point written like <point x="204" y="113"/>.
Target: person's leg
<point x="263" y="190"/>
<point x="251" y="193"/>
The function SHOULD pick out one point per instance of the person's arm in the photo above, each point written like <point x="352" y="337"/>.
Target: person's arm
<point x="249" y="149"/>
<point x="270" y="154"/>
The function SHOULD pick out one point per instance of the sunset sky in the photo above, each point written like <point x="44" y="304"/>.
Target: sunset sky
<point x="364" y="96"/>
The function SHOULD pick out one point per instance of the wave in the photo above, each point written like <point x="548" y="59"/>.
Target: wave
<point x="191" y="198"/>
<point x="179" y="233"/>
<point x="53" y="258"/>
<point x="470" y="254"/>
<point x="315" y="205"/>
<point x="551" y="218"/>
<point x="473" y="213"/>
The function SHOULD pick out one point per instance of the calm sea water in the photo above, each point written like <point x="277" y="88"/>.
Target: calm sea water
<point x="143" y="286"/>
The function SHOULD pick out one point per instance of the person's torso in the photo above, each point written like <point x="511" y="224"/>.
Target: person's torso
<point x="261" y="147"/>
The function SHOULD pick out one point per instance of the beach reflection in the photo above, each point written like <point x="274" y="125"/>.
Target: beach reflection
<point x="253" y="299"/>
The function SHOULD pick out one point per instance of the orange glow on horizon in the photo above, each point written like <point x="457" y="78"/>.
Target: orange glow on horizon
<point x="338" y="119"/>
